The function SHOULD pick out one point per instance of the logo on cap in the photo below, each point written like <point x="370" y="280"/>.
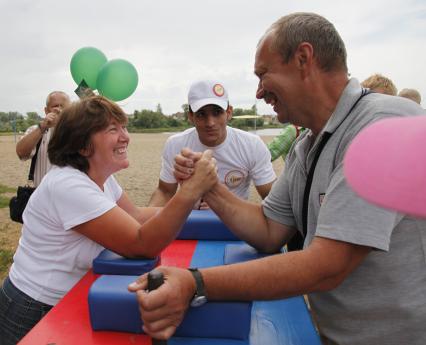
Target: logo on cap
<point x="218" y="90"/>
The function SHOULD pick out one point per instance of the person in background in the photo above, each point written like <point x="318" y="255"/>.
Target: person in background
<point x="26" y="147"/>
<point x="381" y="84"/>
<point x="281" y="144"/>
<point x="412" y="94"/>
<point x="241" y="157"/>
<point x="79" y="209"/>
<point x="362" y="267"/>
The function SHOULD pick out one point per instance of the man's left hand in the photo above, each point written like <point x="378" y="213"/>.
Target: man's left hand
<point x="184" y="164"/>
<point x="163" y="309"/>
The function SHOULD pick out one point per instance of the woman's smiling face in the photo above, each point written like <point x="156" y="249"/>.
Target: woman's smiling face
<point x="109" y="149"/>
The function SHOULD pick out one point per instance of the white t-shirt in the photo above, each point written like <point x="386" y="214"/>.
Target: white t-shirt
<point x="242" y="157"/>
<point x="51" y="257"/>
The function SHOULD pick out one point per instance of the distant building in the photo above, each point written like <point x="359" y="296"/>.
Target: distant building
<point x="270" y="119"/>
<point x="179" y="115"/>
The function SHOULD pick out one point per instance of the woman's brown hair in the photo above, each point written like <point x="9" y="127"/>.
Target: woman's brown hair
<point x="76" y="125"/>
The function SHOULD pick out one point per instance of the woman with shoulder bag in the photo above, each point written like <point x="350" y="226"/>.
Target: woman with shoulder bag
<point x="79" y="209"/>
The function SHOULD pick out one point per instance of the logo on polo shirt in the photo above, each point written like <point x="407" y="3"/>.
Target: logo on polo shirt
<point x="218" y="90"/>
<point x="234" y="178"/>
<point x="321" y="198"/>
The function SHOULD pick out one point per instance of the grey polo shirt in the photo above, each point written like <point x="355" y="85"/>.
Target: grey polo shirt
<point x="384" y="300"/>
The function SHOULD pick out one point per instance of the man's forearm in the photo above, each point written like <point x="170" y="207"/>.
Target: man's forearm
<point x="159" y="198"/>
<point x="275" y="277"/>
<point x="28" y="142"/>
<point x="264" y="189"/>
<point x="244" y="218"/>
<point x="323" y="266"/>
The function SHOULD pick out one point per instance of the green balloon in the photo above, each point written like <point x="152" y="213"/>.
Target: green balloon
<point x="85" y="64"/>
<point x="117" y="79"/>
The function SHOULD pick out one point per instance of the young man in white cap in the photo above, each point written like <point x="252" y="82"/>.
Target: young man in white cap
<point x="241" y="156"/>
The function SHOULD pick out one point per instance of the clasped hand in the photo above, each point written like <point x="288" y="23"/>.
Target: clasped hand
<point x="196" y="171"/>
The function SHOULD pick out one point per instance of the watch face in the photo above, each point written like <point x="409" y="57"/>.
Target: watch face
<point x="198" y="301"/>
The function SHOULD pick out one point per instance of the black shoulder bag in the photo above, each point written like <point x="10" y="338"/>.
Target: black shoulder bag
<point x="18" y="203"/>
<point x="297" y="241"/>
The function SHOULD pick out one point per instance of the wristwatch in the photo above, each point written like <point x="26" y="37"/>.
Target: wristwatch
<point x="200" y="297"/>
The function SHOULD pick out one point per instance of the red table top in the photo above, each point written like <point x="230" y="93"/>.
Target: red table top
<point x="68" y="322"/>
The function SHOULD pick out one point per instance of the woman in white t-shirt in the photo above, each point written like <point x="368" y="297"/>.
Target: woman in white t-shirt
<point x="79" y="209"/>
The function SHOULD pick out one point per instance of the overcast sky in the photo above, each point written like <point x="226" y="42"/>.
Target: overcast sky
<point x="172" y="43"/>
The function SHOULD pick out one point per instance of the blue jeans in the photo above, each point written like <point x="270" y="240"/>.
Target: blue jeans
<point x="18" y="313"/>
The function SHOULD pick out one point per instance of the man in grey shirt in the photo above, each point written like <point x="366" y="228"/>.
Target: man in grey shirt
<point x="363" y="267"/>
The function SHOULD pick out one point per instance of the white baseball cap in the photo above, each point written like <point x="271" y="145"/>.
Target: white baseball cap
<point x="205" y="92"/>
<point x="385" y="164"/>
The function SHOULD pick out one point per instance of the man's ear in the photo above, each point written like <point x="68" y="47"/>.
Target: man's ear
<point x="191" y="117"/>
<point x="229" y="113"/>
<point x="304" y="59"/>
<point x="304" y="55"/>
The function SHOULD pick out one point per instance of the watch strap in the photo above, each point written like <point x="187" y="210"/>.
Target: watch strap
<point x="199" y="282"/>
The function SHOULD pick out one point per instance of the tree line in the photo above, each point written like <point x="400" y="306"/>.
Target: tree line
<point x="140" y="120"/>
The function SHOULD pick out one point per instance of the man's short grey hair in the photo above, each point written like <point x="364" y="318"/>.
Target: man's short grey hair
<point x="290" y="31"/>
<point x="52" y="93"/>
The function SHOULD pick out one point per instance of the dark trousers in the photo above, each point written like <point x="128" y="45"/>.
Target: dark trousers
<point x="18" y="313"/>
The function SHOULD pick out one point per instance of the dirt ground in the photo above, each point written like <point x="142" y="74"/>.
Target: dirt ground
<point x="139" y="180"/>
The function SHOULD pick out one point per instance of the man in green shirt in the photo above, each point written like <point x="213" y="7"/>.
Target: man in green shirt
<point x="281" y="144"/>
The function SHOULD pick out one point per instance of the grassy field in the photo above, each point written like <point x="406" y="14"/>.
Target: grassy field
<point x="139" y="181"/>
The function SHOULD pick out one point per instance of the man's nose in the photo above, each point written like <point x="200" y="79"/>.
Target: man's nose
<point x="260" y="93"/>
<point x="210" y="120"/>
